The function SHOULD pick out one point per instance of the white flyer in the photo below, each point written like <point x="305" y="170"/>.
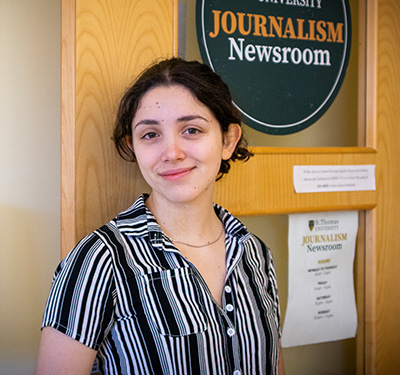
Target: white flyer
<point x="321" y="300"/>
<point x="329" y="178"/>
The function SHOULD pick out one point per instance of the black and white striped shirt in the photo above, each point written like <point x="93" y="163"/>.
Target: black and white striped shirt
<point x="126" y="291"/>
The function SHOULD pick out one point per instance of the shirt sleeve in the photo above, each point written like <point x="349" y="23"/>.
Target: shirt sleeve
<point x="80" y="303"/>
<point x="273" y="288"/>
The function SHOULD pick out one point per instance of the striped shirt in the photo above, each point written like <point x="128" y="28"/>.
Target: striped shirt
<point x="126" y="291"/>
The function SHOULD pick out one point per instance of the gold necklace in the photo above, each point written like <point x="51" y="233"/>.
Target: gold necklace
<point x="198" y="246"/>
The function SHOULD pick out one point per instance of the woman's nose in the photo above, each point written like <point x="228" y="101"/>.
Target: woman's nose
<point x="173" y="150"/>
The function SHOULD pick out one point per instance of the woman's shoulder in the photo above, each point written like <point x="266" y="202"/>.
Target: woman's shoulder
<point x="88" y="251"/>
<point x="132" y="221"/>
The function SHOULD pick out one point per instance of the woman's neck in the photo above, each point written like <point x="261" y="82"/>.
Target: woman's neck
<point x="194" y="222"/>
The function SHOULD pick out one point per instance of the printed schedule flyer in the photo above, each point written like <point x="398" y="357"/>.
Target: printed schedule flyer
<point x="321" y="300"/>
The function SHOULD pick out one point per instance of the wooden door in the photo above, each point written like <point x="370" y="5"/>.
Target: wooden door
<point x="105" y="43"/>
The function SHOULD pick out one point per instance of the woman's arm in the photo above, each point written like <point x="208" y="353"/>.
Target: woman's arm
<point x="281" y="365"/>
<point x="62" y="355"/>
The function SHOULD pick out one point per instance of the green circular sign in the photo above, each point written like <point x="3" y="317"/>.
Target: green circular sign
<point x="284" y="60"/>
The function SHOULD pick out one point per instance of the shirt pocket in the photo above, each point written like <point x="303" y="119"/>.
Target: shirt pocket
<point x="172" y="302"/>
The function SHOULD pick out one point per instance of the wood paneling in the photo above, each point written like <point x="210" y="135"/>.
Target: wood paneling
<point x="387" y="330"/>
<point x="264" y="184"/>
<point x="105" y="44"/>
<point x="68" y="238"/>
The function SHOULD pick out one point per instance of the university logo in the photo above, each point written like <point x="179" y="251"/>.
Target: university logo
<point x="311" y="224"/>
<point x="284" y="60"/>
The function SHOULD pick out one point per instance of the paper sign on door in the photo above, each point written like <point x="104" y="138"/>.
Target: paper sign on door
<point x="321" y="301"/>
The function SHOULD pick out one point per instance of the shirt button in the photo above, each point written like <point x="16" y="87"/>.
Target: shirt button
<point x="229" y="307"/>
<point x="228" y="289"/>
<point x="231" y="332"/>
<point x="237" y="372"/>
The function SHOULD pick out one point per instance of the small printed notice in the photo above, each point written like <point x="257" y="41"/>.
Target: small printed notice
<point x="329" y="178"/>
<point x="321" y="300"/>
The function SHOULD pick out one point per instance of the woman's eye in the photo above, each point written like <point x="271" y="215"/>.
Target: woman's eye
<point x="150" y="135"/>
<point x="192" y="131"/>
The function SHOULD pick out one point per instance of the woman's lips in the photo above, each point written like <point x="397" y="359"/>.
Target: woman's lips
<point x="175" y="174"/>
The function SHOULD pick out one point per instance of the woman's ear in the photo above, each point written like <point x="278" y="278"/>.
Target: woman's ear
<point x="129" y="143"/>
<point x="231" y="138"/>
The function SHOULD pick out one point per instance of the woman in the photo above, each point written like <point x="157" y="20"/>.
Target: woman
<point x="175" y="284"/>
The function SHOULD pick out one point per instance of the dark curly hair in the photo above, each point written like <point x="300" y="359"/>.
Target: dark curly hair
<point x="207" y="86"/>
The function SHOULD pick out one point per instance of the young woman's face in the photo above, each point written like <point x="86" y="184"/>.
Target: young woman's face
<point x="178" y="144"/>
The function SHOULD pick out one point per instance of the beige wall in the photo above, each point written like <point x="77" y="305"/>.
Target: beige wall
<point x="29" y="173"/>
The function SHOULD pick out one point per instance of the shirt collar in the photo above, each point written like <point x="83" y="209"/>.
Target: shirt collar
<point x="138" y="220"/>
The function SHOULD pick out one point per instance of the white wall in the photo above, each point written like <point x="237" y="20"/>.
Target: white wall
<point x="29" y="173"/>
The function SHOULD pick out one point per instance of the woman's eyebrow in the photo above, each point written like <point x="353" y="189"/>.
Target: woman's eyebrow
<point x="147" y="122"/>
<point x="191" y="117"/>
<point x="180" y="119"/>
